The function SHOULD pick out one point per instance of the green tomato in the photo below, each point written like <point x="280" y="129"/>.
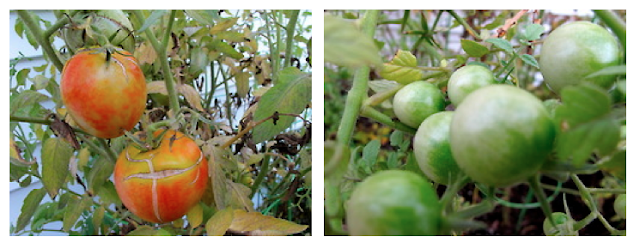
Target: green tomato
<point x="501" y="135"/>
<point x="466" y="80"/>
<point x="620" y="206"/>
<point x="564" y="225"/>
<point x="575" y="50"/>
<point x="415" y="102"/>
<point x="394" y="202"/>
<point x="112" y="24"/>
<point x="433" y="151"/>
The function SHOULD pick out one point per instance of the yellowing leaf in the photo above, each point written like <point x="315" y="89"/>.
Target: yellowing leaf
<point x="55" y="164"/>
<point x="191" y="95"/>
<point x="194" y="216"/>
<point x="254" y="223"/>
<point x="224" y="25"/>
<point x="242" y="83"/>
<point x="148" y="231"/>
<point x="402" y="68"/>
<point x="145" y="54"/>
<point x="157" y="87"/>
<point x="219" y="223"/>
<point x="239" y="196"/>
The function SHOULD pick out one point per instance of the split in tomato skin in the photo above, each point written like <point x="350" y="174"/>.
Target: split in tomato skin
<point x="163" y="184"/>
<point x="104" y="97"/>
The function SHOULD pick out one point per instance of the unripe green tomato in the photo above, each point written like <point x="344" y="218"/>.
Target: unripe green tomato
<point x="564" y="225"/>
<point x="415" y="102"/>
<point x="466" y="80"/>
<point x="112" y="24"/>
<point x="501" y="135"/>
<point x="575" y="50"/>
<point x="394" y="202"/>
<point x="432" y="148"/>
<point x="620" y="206"/>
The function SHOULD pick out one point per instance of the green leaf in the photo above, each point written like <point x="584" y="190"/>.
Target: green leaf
<point x="227" y="49"/>
<point x="370" y="152"/>
<point x="291" y="94"/>
<point x="26" y="99"/>
<point x="402" y="68"/>
<point x="473" y="48"/>
<point x="22" y="76"/>
<point x="31" y="203"/>
<point x="19" y="27"/>
<point x="345" y="45"/>
<point x="532" y="32"/>
<point x="152" y="19"/>
<point x="205" y="17"/>
<point x="529" y="59"/>
<point x="101" y="171"/>
<point x="56" y="154"/>
<point x="501" y="43"/>
<point x="612" y="70"/>
<point x="586" y="124"/>
<point x="396" y="138"/>
<point x="74" y="210"/>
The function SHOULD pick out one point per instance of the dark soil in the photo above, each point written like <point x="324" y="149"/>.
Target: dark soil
<point x="504" y="220"/>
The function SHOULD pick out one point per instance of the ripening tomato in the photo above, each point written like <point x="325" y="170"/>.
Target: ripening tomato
<point x="104" y="91"/>
<point x="162" y="184"/>
<point x="501" y="135"/>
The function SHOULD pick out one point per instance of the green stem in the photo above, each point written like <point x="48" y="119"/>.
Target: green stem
<point x="593" y="205"/>
<point x="112" y="155"/>
<point x="167" y="34"/>
<point x="95" y="147"/>
<point x="264" y="169"/>
<point x="291" y="28"/>
<point x="617" y="25"/>
<point x="464" y="23"/>
<point x="534" y="182"/>
<point x="162" y="59"/>
<point x="452" y="191"/>
<point x="273" y="51"/>
<point x="42" y="40"/>
<point x="359" y="89"/>
<point x="380" y="97"/>
<point x="378" y="116"/>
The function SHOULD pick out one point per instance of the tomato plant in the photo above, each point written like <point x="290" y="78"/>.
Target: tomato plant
<point x="532" y="124"/>
<point x="220" y="147"/>
<point x="104" y="91"/>
<point x="393" y="202"/>
<point x="576" y="50"/>
<point x="417" y="101"/>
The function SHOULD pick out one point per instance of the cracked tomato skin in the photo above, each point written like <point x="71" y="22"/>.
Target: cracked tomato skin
<point x="501" y="135"/>
<point x="394" y="202"/>
<point x="162" y="184"/>
<point x="104" y="98"/>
